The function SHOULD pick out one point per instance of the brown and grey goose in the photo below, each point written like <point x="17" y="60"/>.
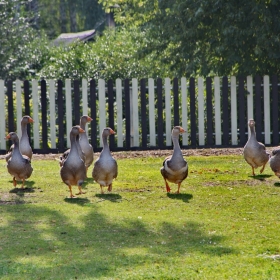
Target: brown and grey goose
<point x="85" y="146"/>
<point x="73" y="170"/>
<point x="175" y="167"/>
<point x="105" y="168"/>
<point x="254" y="152"/>
<point x="24" y="144"/>
<point x="18" y="165"/>
<point x="274" y="161"/>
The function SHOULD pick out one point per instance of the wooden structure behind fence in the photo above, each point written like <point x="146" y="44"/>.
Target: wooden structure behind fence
<point x="214" y="111"/>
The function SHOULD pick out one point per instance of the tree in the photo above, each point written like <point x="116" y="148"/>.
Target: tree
<point x="209" y="36"/>
<point x="18" y="41"/>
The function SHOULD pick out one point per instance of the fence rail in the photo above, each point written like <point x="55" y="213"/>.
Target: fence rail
<point x="214" y="111"/>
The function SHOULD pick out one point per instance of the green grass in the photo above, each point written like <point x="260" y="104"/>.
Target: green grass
<point x="223" y="225"/>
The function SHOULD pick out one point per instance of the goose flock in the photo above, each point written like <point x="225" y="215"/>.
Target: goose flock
<point x="75" y="162"/>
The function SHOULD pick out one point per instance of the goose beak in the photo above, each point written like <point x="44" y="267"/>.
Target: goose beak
<point x="8" y="137"/>
<point x="182" y="130"/>
<point x="89" y="119"/>
<point x="112" y="131"/>
<point x="30" y="120"/>
<point x="81" y="130"/>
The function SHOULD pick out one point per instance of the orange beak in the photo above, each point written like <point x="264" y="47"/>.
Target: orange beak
<point x="182" y="130"/>
<point x="81" y="130"/>
<point x="112" y="131"/>
<point x="8" y="137"/>
<point x="30" y="120"/>
<point x="89" y="119"/>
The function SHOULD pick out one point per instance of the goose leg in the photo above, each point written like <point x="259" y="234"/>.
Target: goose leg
<point x="80" y="191"/>
<point x="110" y="188"/>
<point x="167" y="186"/>
<point x="179" y="185"/>
<point x="261" y="171"/>
<point x="23" y="181"/>
<point x="101" y="189"/>
<point x="70" y="189"/>
<point x="14" y="181"/>
<point x="253" y="171"/>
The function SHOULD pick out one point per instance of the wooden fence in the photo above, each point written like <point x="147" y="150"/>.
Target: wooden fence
<point x="214" y="111"/>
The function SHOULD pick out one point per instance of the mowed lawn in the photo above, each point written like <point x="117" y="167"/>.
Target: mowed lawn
<point x="225" y="224"/>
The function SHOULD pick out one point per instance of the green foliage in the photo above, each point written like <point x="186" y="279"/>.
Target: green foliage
<point x="113" y="55"/>
<point x="223" y="225"/>
<point x="20" y="48"/>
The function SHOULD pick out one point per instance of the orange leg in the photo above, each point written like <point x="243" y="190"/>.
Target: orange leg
<point x="179" y="185"/>
<point x="253" y="171"/>
<point x="110" y="188"/>
<point x="101" y="189"/>
<point x="71" y="194"/>
<point x="261" y="171"/>
<point x="23" y="181"/>
<point x="80" y="191"/>
<point x="167" y="186"/>
<point x="14" y="181"/>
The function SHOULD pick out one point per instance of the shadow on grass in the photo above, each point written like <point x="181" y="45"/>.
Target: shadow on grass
<point x="261" y="177"/>
<point x="77" y="200"/>
<point x="96" y="244"/>
<point x="185" y="197"/>
<point x="21" y="191"/>
<point x="110" y="196"/>
<point x="277" y="184"/>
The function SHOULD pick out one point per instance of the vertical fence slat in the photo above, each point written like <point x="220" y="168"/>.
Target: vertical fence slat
<point x="92" y="89"/>
<point x="225" y="111"/>
<point x="127" y="113"/>
<point x="167" y="110"/>
<point x="250" y="103"/>
<point x="44" y="116"/>
<point x="77" y="114"/>
<point x="258" y="109"/>
<point x="101" y="108"/>
<point x="241" y="111"/>
<point x="160" y="113"/>
<point x="201" y="134"/>
<point x="60" y="116"/>
<point x="233" y="111"/>
<point x="209" y="111"/>
<point x="135" y="114"/>
<point x="184" y="111"/>
<point x="266" y="100"/>
<point x="275" y="113"/>
<point x="111" y="112"/>
<point x="193" y="112"/>
<point x="176" y="102"/>
<point x="119" y="104"/>
<point x="35" y="115"/>
<point x="52" y="113"/>
<point x="143" y="112"/>
<point x="2" y="116"/>
<point x="85" y="100"/>
<point x="218" y="125"/>
<point x="68" y="105"/>
<point x="152" y="126"/>
<point x="26" y="91"/>
<point x="18" y="106"/>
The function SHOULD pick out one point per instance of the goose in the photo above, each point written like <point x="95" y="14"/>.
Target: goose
<point x="105" y="168"/>
<point x="24" y="144"/>
<point x="175" y="167"/>
<point x="73" y="170"/>
<point x="274" y="161"/>
<point x="85" y="146"/>
<point x="254" y="152"/>
<point x="18" y="165"/>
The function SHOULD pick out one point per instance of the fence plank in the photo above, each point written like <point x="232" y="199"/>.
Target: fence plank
<point x="135" y="114"/>
<point x="160" y="113"/>
<point x="93" y="125"/>
<point x="176" y="102"/>
<point x="26" y="108"/>
<point x="184" y="111"/>
<point x="143" y="112"/>
<point x="266" y="100"/>
<point x="119" y="104"/>
<point x="60" y="116"/>
<point x="167" y="111"/>
<point x="258" y="109"/>
<point x="218" y="123"/>
<point x="2" y="116"/>
<point x="35" y="115"/>
<point x="111" y="113"/>
<point x="101" y="108"/>
<point x="77" y="114"/>
<point x="209" y="111"/>
<point x="193" y="112"/>
<point x="68" y="105"/>
<point x="44" y="138"/>
<point x="18" y="107"/>
<point x="275" y="114"/>
<point x="152" y="114"/>
<point x="85" y="100"/>
<point x="200" y="99"/>
<point x="233" y="111"/>
<point x="127" y="113"/>
<point x="241" y="111"/>
<point x="250" y="104"/>
<point x="225" y="111"/>
<point x="52" y="113"/>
